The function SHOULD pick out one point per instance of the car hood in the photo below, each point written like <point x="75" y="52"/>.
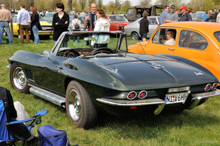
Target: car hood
<point x="147" y="72"/>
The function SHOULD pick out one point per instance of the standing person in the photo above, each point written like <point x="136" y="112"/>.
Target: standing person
<point x="102" y="24"/>
<point x="144" y="26"/>
<point x="163" y="15"/>
<point x="90" y="20"/>
<point x="60" y="22"/>
<point x="35" y="24"/>
<point x="172" y="16"/>
<point x="5" y="18"/>
<point x="23" y="17"/>
<point x="76" y="23"/>
<point x="210" y="15"/>
<point x="215" y="13"/>
<point x="184" y="16"/>
<point x="218" y="18"/>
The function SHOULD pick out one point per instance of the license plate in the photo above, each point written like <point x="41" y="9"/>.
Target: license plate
<point x="176" y="98"/>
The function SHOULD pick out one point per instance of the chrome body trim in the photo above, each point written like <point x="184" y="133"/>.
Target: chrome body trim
<point x="196" y="98"/>
<point x="200" y="96"/>
<point x="54" y="98"/>
<point x="152" y="101"/>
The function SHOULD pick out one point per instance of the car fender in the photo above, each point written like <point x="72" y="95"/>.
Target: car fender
<point x="138" y="48"/>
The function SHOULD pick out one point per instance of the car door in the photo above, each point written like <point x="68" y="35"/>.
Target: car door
<point x="156" y="43"/>
<point x="196" y="46"/>
<point x="47" y="72"/>
<point x="191" y="44"/>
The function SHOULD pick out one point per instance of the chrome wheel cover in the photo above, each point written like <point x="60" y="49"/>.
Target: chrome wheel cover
<point x="19" y="79"/>
<point x="74" y="105"/>
<point x="134" y="36"/>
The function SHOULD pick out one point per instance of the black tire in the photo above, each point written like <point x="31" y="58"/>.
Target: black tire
<point x="18" y="79"/>
<point x="45" y="37"/>
<point x="79" y="106"/>
<point x="134" y="36"/>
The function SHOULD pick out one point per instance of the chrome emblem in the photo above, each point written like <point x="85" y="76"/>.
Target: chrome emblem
<point x="157" y="66"/>
<point x="199" y="73"/>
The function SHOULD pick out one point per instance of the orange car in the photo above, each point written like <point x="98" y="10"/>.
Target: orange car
<point x="196" y="41"/>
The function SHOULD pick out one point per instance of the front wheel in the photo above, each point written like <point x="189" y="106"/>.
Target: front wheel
<point x="18" y="79"/>
<point x="134" y="36"/>
<point x="79" y="106"/>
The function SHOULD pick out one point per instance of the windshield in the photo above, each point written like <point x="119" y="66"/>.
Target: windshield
<point x="117" y="19"/>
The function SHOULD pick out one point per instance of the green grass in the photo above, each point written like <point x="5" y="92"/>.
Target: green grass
<point x="199" y="126"/>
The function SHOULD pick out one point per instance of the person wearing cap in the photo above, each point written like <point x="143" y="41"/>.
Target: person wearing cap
<point x="184" y="16"/>
<point x="23" y="17"/>
<point x="5" y="18"/>
<point x="172" y="16"/>
<point x="163" y="15"/>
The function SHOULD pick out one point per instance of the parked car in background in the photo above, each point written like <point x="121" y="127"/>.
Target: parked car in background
<point x="196" y="41"/>
<point x="49" y="17"/>
<point x="82" y="18"/>
<point x="85" y="80"/>
<point x="194" y="16"/>
<point x="136" y="12"/>
<point x="132" y="29"/>
<point x="202" y="15"/>
<point x="117" y="22"/>
<point x="45" y="33"/>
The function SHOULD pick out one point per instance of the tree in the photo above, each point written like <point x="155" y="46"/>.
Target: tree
<point x="100" y="4"/>
<point x="145" y="2"/>
<point x="125" y="5"/>
<point x="82" y="4"/>
<point x="70" y="5"/>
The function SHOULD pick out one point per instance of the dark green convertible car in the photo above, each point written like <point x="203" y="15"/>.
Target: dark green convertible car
<point x="97" y="74"/>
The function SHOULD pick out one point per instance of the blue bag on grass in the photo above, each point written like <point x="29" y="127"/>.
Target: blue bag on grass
<point x="49" y="136"/>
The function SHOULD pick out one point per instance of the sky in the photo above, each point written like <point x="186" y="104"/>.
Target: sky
<point x="133" y="2"/>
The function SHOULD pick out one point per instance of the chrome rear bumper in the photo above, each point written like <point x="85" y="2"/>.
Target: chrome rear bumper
<point x="196" y="98"/>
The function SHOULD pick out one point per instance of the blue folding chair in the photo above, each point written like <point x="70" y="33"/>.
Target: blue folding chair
<point x="11" y="130"/>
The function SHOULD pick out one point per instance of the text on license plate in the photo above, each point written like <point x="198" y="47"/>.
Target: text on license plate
<point x="176" y="98"/>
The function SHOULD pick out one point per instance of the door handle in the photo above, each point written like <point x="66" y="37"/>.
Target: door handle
<point x="171" y="49"/>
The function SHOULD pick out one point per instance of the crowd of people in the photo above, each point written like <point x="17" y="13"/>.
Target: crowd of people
<point x="96" y="20"/>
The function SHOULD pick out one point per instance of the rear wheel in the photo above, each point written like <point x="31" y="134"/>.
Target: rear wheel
<point x="134" y="36"/>
<point x="79" y="106"/>
<point x="18" y="79"/>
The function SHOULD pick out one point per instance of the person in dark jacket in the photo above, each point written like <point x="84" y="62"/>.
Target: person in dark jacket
<point x="60" y="22"/>
<point x="35" y="25"/>
<point x="144" y="26"/>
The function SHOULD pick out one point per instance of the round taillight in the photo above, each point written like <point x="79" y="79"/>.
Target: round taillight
<point x="131" y="95"/>
<point x="214" y="86"/>
<point x="142" y="94"/>
<point x="207" y="87"/>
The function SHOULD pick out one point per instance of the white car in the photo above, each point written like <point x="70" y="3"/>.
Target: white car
<point x="132" y="29"/>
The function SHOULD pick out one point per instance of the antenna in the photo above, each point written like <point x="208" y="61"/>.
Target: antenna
<point x="142" y="47"/>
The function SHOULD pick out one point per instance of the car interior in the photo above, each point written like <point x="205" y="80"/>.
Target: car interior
<point x="194" y="40"/>
<point x="160" y="36"/>
<point x="69" y="48"/>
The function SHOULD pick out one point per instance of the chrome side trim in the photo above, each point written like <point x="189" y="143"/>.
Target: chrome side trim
<point x="200" y="96"/>
<point x="54" y="98"/>
<point x="152" y="101"/>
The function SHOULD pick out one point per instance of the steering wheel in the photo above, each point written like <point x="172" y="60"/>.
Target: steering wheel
<point x="162" y="40"/>
<point x="70" y="54"/>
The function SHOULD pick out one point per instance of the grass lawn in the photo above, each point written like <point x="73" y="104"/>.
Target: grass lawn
<point x="199" y="126"/>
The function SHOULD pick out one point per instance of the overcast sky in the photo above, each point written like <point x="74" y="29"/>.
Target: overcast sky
<point x="133" y="2"/>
